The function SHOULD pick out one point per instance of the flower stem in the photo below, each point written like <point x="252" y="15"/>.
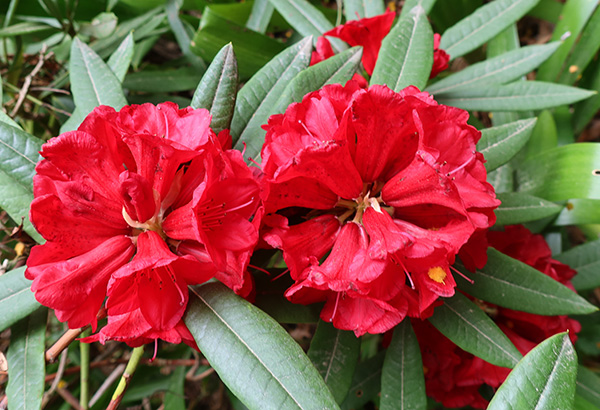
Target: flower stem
<point x="136" y="355"/>
<point x="84" y="350"/>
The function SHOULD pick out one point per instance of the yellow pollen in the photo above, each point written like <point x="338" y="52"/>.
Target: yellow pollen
<point x="19" y="248"/>
<point x="437" y="274"/>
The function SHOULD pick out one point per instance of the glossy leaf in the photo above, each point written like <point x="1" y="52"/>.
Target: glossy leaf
<point x="502" y="69"/>
<point x="544" y="379"/>
<point x="26" y="362"/>
<point x="402" y="379"/>
<point x="335" y="70"/>
<point x="356" y="9"/>
<point x="574" y="15"/>
<point x="588" y="385"/>
<point x="579" y="212"/>
<point x="499" y="144"/>
<point x="307" y="20"/>
<point x="518" y="208"/>
<point x="366" y="383"/>
<point x="253" y="355"/>
<point x="585" y="259"/>
<point x="262" y="11"/>
<point x="92" y="82"/>
<point x="406" y="57"/>
<point x="334" y="354"/>
<point x="463" y="322"/>
<point x="512" y="284"/>
<point x="485" y="23"/>
<point x="16" y="298"/>
<point x="218" y="88"/>
<point x="544" y="135"/>
<point x="256" y="99"/>
<point x="427" y="5"/>
<point x="120" y="60"/>
<point x="517" y="96"/>
<point x="19" y="154"/>
<point x="570" y="171"/>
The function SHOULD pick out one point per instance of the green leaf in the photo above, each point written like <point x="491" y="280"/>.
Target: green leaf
<point x="366" y="383"/>
<point x="517" y="96"/>
<point x="518" y="208"/>
<point x="582" y="404"/>
<point x="120" y="60"/>
<point x="427" y="5"/>
<point x="585" y="259"/>
<point x="334" y="354"/>
<point x="463" y="322"/>
<point x="218" y="88"/>
<point x="256" y="99"/>
<point x="92" y="82"/>
<point x="355" y="9"/>
<point x="544" y="135"/>
<point x="575" y="14"/>
<point x="335" y="70"/>
<point x="284" y="311"/>
<point x="586" y="110"/>
<point x="163" y="81"/>
<point x="502" y="179"/>
<point x="544" y="379"/>
<point x="175" y="394"/>
<point x="588" y="385"/>
<point x="570" y="171"/>
<point x="307" y="20"/>
<point x="16" y="298"/>
<point x="402" y="379"/>
<point x="502" y="69"/>
<point x="262" y="11"/>
<point x="181" y="34"/>
<point x="21" y="29"/>
<point x="406" y="56"/>
<point x="253" y="355"/>
<point x="26" y="362"/>
<point x="583" y="51"/>
<point x="15" y="199"/>
<point x="512" y="284"/>
<point x="499" y="144"/>
<point x="103" y="25"/>
<point x="579" y="212"/>
<point x="485" y="23"/>
<point x="19" y="154"/>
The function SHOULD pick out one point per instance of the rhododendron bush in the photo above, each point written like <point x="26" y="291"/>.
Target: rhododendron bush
<point x="280" y="204"/>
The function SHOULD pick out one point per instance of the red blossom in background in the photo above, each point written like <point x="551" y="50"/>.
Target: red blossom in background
<point x="440" y="57"/>
<point x="136" y="205"/>
<point x="453" y="376"/>
<point x="370" y="195"/>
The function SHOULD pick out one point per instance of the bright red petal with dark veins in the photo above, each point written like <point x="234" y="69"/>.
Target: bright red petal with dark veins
<point x="298" y="243"/>
<point x="302" y="192"/>
<point x="76" y="288"/>
<point x="386" y="139"/>
<point x="366" y="32"/>
<point x="138" y="196"/>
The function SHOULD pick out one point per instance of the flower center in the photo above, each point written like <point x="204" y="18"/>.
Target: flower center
<point x="152" y="224"/>
<point x="370" y="197"/>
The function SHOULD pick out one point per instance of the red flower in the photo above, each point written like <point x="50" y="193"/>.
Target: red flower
<point x="110" y="199"/>
<point x="453" y="376"/>
<point x="388" y="183"/>
<point x="440" y="57"/>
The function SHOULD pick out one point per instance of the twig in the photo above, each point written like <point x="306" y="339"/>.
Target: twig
<point x="202" y="375"/>
<point x="58" y="376"/>
<point x="67" y="338"/>
<point x="69" y="398"/>
<point x="28" y="79"/>
<point x="136" y="355"/>
<point x="107" y="383"/>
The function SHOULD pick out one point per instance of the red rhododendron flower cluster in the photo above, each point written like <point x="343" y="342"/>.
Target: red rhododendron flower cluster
<point x="369" y="33"/>
<point x="370" y="195"/>
<point x="135" y="206"/>
<point x="453" y="376"/>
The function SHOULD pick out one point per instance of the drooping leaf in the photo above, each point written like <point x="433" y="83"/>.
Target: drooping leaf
<point x="543" y="379"/>
<point x="517" y="96"/>
<point x="334" y="354"/>
<point x="585" y="259"/>
<point x="463" y="322"/>
<point x="499" y="144"/>
<point x="335" y="70"/>
<point x="366" y="383"/>
<point x="256" y="99"/>
<point x="262" y="11"/>
<point x="518" y="208"/>
<point x="588" y="385"/>
<point x="406" y="55"/>
<point x="120" y="60"/>
<point x="253" y="355"/>
<point x="570" y="171"/>
<point x="26" y="362"/>
<point x="92" y="82"/>
<point x="502" y="69"/>
<point x="487" y="21"/>
<point x="217" y="90"/>
<point x="19" y="154"/>
<point x="427" y="5"/>
<point x="402" y="379"/>
<point x="16" y="298"/>
<point x="512" y="284"/>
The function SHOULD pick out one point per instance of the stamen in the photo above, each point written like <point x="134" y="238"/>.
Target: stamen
<point x="155" y="351"/>
<point x="240" y="206"/>
<point x="259" y="269"/>
<point x="462" y="166"/>
<point x="337" y="299"/>
<point x="471" y="281"/>
<point x="280" y="275"/>
<point x="169" y="269"/>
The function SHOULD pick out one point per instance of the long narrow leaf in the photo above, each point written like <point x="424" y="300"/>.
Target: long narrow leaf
<point x="19" y="154"/>
<point x="585" y="259"/>
<point x="16" y="298"/>
<point x="257" y="359"/>
<point x="366" y="384"/>
<point x="463" y="322"/>
<point x="518" y="208"/>
<point x="427" y="5"/>
<point x="120" y="60"/>
<point x="406" y="53"/>
<point x="512" y="284"/>
<point x="588" y="385"/>
<point x="262" y="11"/>
<point x="356" y="9"/>
<point x="499" y="144"/>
